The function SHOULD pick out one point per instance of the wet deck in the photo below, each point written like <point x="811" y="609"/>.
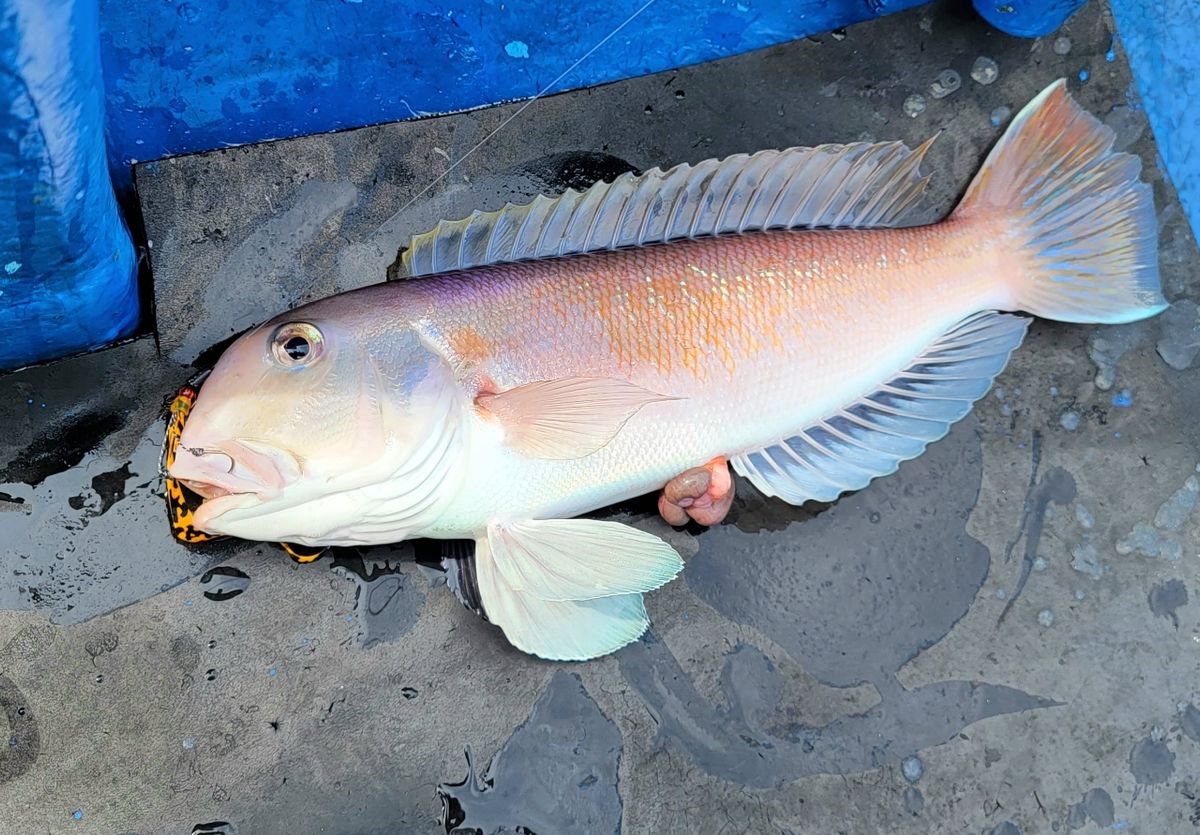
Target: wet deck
<point x="998" y="639"/>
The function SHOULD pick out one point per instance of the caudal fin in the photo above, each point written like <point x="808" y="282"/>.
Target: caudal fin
<point x="1084" y="222"/>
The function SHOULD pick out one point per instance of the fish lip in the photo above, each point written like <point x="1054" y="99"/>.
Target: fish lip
<point x="211" y="511"/>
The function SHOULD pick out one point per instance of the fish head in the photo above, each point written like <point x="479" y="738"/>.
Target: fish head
<point x="304" y="413"/>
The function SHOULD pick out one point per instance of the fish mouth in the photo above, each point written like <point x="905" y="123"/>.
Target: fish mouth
<point x="234" y="468"/>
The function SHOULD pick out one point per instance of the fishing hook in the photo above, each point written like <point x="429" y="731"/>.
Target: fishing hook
<point x="201" y="451"/>
<point x="529" y="103"/>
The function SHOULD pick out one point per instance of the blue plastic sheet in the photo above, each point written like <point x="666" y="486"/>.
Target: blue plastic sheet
<point x="1161" y="42"/>
<point x="67" y="267"/>
<point x="1027" y="18"/>
<point x="193" y="75"/>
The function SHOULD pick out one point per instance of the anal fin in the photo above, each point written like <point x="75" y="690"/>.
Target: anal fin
<point x="894" y="423"/>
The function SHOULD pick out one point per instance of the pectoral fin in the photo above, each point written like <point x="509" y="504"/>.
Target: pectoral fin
<point x="566" y="418"/>
<point x="569" y="590"/>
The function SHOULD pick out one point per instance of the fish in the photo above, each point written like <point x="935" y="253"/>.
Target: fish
<point x="779" y="310"/>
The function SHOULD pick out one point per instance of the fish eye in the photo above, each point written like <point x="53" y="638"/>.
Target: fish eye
<point x="297" y="344"/>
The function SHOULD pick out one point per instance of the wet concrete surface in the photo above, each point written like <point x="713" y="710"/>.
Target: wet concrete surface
<point x="997" y="639"/>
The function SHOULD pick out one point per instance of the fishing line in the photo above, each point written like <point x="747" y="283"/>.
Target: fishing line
<point x="540" y="94"/>
<point x="519" y="111"/>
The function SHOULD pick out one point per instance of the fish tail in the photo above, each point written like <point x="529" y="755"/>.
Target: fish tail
<point x="1084" y="223"/>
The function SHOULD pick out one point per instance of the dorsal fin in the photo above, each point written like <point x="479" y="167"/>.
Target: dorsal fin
<point x="856" y="185"/>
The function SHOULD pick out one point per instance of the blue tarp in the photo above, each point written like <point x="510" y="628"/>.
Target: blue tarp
<point x="1161" y="41"/>
<point x="1027" y="18"/>
<point x="192" y="75"/>
<point x="67" y="267"/>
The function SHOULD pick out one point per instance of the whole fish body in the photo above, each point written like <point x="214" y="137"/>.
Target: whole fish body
<point x="771" y="309"/>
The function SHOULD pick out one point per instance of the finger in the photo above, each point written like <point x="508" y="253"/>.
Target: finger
<point x="715" y="510"/>
<point x="672" y="514"/>
<point x="689" y="485"/>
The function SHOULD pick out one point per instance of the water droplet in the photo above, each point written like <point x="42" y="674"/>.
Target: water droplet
<point x="1069" y="420"/>
<point x="1123" y="400"/>
<point x="188" y="12"/>
<point x="1079" y="595"/>
<point x="914" y="105"/>
<point x="1040" y="564"/>
<point x="1062" y="45"/>
<point x="210" y="675"/>
<point x="12" y="266"/>
<point x="99" y="678"/>
<point x="1000" y="115"/>
<point x="648" y="109"/>
<point x="189" y="742"/>
<point x="985" y="70"/>
<point x="212" y="644"/>
<point x="1111" y="55"/>
<point x="408" y="692"/>
<point x="1001" y="594"/>
<point x="874" y="517"/>
<point x="517" y="49"/>
<point x="679" y="94"/>
<point x="839" y="34"/>
<point x="1084" y="75"/>
<point x="271" y="671"/>
<point x="1046" y="617"/>
<point x="912" y="768"/>
<point x="947" y="82"/>
<point x="77" y="814"/>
